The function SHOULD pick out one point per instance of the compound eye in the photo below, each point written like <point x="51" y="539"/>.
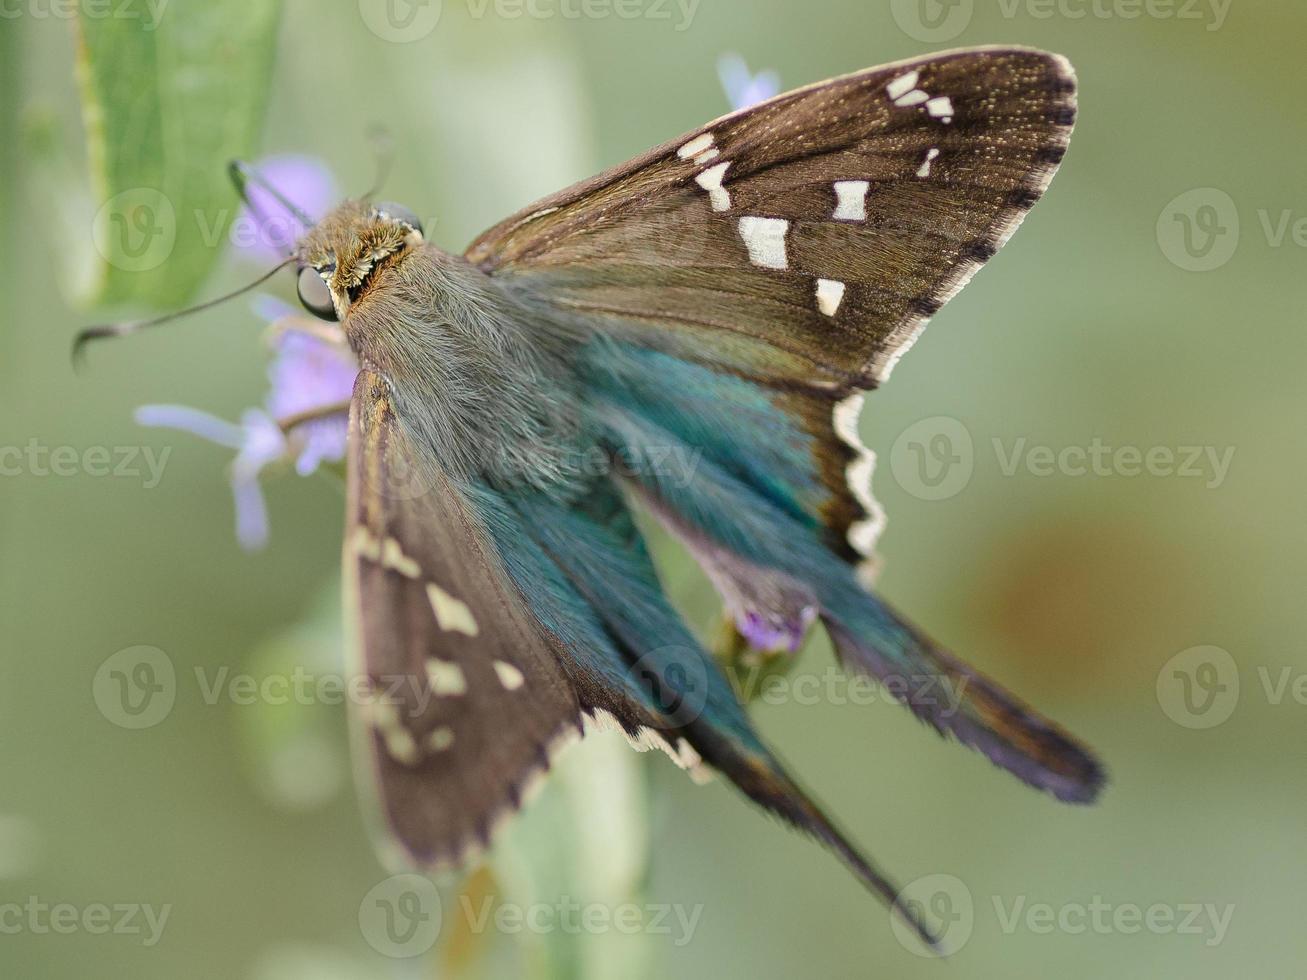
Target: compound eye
<point x="397" y="212"/>
<point x="315" y="295"/>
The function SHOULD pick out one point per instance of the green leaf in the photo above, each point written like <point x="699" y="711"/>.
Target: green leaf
<point x="168" y="98"/>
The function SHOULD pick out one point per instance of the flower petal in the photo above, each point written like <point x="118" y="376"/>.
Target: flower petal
<point x="270" y="309"/>
<point x="264" y="443"/>
<point x="772" y="610"/>
<point x="742" y="88"/>
<point x="307" y="373"/>
<point x="191" y="420"/>
<point x="251" y="512"/>
<point x="265" y="230"/>
<point x="321" y="439"/>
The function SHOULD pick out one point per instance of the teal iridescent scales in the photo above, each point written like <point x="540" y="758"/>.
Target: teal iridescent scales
<point x="702" y="321"/>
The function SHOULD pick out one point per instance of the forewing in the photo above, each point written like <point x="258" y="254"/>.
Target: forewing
<point x="463" y="701"/>
<point x="806" y="239"/>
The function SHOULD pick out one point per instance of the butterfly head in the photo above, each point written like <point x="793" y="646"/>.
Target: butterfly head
<point x="340" y="256"/>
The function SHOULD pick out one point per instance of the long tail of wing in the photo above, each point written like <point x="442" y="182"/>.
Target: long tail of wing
<point x="592" y="551"/>
<point x="959" y="701"/>
<point x="777" y="509"/>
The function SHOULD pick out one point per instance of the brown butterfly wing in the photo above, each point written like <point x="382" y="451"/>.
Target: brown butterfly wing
<point x="463" y="704"/>
<point x="806" y="239"/>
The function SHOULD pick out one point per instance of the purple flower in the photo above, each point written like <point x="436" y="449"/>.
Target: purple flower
<point x="311" y="372"/>
<point x="771" y="610"/>
<point x="742" y="88"/>
<point x="265" y="230"/>
<point x="774" y="632"/>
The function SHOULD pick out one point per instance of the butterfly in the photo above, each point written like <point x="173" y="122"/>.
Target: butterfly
<point x="726" y="299"/>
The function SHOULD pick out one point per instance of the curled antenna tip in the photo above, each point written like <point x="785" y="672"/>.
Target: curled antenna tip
<point x="84" y="337"/>
<point x="132" y="326"/>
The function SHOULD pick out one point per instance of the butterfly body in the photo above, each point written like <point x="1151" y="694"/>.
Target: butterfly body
<point x="700" y="323"/>
<point x="487" y="395"/>
<point x="690" y="333"/>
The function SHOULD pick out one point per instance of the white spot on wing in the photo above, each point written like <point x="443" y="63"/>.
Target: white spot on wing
<point x="711" y="181"/>
<point x="902" y="85"/>
<point x="400" y="744"/>
<point x="365" y="544"/>
<point x="451" y="613"/>
<point x="446" y="679"/>
<point x="905" y="94"/>
<point x="392" y="556"/>
<point x="829" y="294"/>
<point x="910" y="328"/>
<point x="509" y="675"/>
<point x="388" y="553"/>
<point x="851" y="200"/>
<point x="941" y="107"/>
<point x="924" y="169"/>
<point x="398" y="740"/>
<point x="695" y="146"/>
<point x="440" y="738"/>
<point x="765" y="240"/>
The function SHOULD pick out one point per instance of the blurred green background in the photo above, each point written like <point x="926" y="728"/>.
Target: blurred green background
<point x="1098" y="322"/>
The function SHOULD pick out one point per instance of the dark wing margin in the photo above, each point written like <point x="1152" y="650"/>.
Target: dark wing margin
<point x="806" y="239"/>
<point x="461" y="703"/>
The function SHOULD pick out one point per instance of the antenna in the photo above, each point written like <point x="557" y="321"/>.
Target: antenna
<point x="132" y="326"/>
